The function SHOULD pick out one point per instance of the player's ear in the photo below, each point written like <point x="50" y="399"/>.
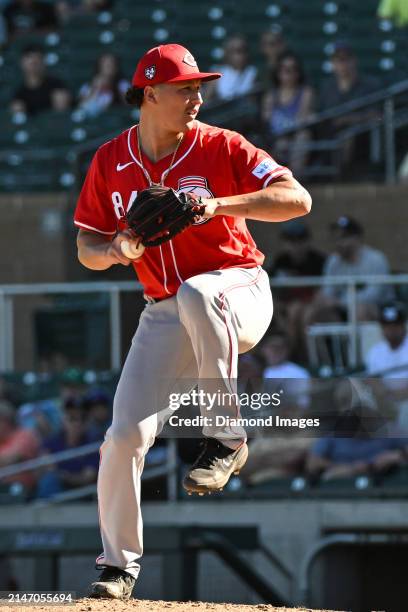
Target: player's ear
<point x="150" y="94"/>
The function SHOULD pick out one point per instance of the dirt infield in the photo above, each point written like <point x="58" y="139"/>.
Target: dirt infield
<point x="143" y="605"/>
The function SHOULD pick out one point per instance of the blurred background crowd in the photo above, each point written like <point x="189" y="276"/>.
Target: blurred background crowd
<point x="66" y="65"/>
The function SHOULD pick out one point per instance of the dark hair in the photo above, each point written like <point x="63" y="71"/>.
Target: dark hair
<point x="32" y="48"/>
<point x="134" y="96"/>
<point x="347" y="226"/>
<point x="98" y="62"/>
<point x="275" y="332"/>
<point x="117" y="77"/>
<point x="237" y="36"/>
<point x="282" y="57"/>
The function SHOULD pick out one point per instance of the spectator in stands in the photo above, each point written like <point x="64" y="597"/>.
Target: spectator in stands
<point x="98" y="408"/>
<point x="28" y="16"/>
<point x="71" y="473"/>
<point x="347" y="84"/>
<point x="297" y="258"/>
<point x="73" y="385"/>
<point x="39" y="91"/>
<point x="43" y="417"/>
<point x="250" y="373"/>
<point x="281" y="373"/>
<point x="351" y="257"/>
<point x="392" y="351"/>
<point x="238" y="75"/>
<point x="364" y="451"/>
<point x="390" y="356"/>
<point x="107" y="87"/>
<point x="16" y="445"/>
<point x="68" y="8"/>
<point x="272" y="45"/>
<point x="289" y="101"/>
<point x="334" y="457"/>
<point x="277" y="454"/>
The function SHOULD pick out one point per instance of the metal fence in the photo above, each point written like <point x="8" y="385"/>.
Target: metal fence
<point x="8" y="293"/>
<point x="167" y="470"/>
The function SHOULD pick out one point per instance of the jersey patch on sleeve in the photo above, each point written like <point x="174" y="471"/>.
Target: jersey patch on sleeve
<point x="264" y="167"/>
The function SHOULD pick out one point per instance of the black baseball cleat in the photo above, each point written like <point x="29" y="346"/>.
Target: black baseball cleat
<point x="113" y="583"/>
<point x="214" y="467"/>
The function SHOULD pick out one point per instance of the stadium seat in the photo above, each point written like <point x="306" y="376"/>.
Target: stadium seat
<point x="397" y="478"/>
<point x="128" y="28"/>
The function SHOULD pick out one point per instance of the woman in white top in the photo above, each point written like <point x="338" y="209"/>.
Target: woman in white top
<point x="238" y="76"/>
<point x="107" y="86"/>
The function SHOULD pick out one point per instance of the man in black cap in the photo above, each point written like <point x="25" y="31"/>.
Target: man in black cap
<point x="347" y="84"/>
<point x="39" y="91"/>
<point x="297" y="258"/>
<point x="389" y="358"/>
<point x="351" y="257"/>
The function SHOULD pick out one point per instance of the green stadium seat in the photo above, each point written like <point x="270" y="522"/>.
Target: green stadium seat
<point x="28" y="176"/>
<point x="350" y="487"/>
<point x="13" y="493"/>
<point x="129" y="28"/>
<point x="396" y="479"/>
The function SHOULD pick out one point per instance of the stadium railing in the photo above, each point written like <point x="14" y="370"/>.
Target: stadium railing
<point x="167" y="470"/>
<point x="114" y="290"/>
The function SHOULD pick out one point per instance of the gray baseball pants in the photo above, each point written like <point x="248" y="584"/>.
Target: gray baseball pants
<point x="195" y="335"/>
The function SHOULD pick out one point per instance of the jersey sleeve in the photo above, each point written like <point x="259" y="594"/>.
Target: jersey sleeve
<point x="94" y="210"/>
<point x="253" y="168"/>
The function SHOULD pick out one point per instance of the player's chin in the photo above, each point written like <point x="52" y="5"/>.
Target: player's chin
<point x="189" y="119"/>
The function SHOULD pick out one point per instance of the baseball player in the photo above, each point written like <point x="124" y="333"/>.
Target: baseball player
<point x="208" y="298"/>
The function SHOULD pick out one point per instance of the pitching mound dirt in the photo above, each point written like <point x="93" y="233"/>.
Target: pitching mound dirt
<point x="139" y="605"/>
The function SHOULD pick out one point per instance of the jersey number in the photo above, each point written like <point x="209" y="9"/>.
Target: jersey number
<point x="117" y="202"/>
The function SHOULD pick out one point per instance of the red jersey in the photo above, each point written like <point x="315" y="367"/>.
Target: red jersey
<point x="211" y="162"/>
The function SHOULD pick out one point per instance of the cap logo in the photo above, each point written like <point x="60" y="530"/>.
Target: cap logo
<point x="150" y="72"/>
<point x="189" y="60"/>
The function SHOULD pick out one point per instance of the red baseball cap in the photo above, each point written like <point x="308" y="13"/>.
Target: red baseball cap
<point x="168" y="64"/>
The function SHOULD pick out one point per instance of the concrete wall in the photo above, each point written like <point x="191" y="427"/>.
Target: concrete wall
<point x="289" y="528"/>
<point x="32" y="238"/>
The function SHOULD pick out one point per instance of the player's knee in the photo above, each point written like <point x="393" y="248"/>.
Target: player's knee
<point x="132" y="437"/>
<point x="192" y="296"/>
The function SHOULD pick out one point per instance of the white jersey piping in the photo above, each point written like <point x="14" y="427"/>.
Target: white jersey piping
<point x="94" y="229"/>
<point x="276" y="174"/>
<point x="133" y="156"/>
<point x="164" y="271"/>
<point x="175" y="263"/>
